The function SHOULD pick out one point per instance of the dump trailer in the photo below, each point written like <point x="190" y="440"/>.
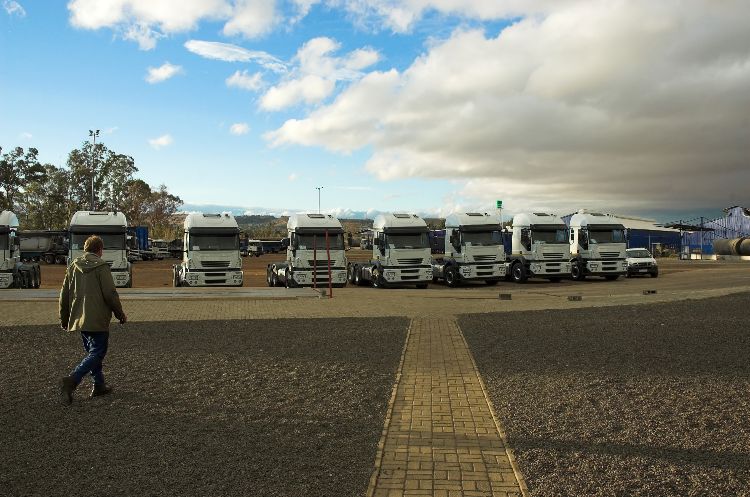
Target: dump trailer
<point x="13" y="272"/>
<point x="315" y="253"/>
<point x="211" y="255"/>
<point x="473" y="248"/>
<point x="43" y="245"/>
<point x="539" y="248"/>
<point x="400" y="253"/>
<point x="112" y="228"/>
<point x="597" y="246"/>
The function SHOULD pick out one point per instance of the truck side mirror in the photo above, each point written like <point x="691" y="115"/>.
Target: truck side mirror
<point x="381" y="243"/>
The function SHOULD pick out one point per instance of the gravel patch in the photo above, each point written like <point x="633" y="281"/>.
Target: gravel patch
<point x="629" y="401"/>
<point x="262" y="407"/>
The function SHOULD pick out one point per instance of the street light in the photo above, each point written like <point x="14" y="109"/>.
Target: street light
<point x="318" y="188"/>
<point x="93" y="134"/>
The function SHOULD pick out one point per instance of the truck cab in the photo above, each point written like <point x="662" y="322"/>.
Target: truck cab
<point x="473" y="250"/>
<point x="400" y="253"/>
<point x="13" y="272"/>
<point x="111" y="227"/>
<point x="597" y="246"/>
<point x="539" y="247"/>
<point x="160" y="249"/>
<point x="211" y="252"/>
<point x="314" y="249"/>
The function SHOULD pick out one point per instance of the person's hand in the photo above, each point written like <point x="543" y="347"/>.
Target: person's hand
<point x="123" y="318"/>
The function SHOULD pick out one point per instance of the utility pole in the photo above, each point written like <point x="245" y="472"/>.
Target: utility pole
<point x="93" y="134"/>
<point x="318" y="188"/>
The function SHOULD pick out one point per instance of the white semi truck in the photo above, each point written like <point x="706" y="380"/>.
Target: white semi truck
<point x="597" y="246"/>
<point x="539" y="248"/>
<point x="311" y="239"/>
<point x="14" y="273"/>
<point x="400" y="253"/>
<point x="211" y="252"/>
<point x="473" y="250"/>
<point x="159" y="249"/>
<point x="111" y="227"/>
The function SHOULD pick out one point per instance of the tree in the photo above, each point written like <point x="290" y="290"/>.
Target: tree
<point x="111" y="173"/>
<point x="163" y="206"/>
<point x="137" y="202"/>
<point x="47" y="203"/>
<point x="17" y="169"/>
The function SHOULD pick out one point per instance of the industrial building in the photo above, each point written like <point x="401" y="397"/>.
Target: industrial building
<point x="698" y="237"/>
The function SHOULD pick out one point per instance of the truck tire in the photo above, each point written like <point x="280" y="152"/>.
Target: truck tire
<point x="377" y="278"/>
<point x="350" y="273"/>
<point x="611" y="277"/>
<point x="60" y="259"/>
<point x="654" y="274"/>
<point x="49" y="259"/>
<point x="269" y="281"/>
<point x="357" y="276"/>
<point x="275" y="279"/>
<point x="576" y="272"/>
<point x="175" y="277"/>
<point x="37" y="277"/>
<point x="451" y="276"/>
<point x="518" y="273"/>
<point x="288" y="281"/>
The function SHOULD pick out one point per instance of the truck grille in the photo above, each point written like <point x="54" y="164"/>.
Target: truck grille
<point x="409" y="261"/>
<point x="610" y="255"/>
<point x="553" y="255"/>
<point x="319" y="263"/>
<point x="485" y="258"/>
<point x="215" y="263"/>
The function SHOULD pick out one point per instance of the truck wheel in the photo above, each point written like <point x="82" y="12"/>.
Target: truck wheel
<point x="350" y="273"/>
<point x="269" y="281"/>
<point x="451" y="277"/>
<point x="357" y="276"/>
<point x="576" y="271"/>
<point x="655" y="274"/>
<point x="518" y="273"/>
<point x="175" y="277"/>
<point x="491" y="282"/>
<point x="49" y="259"/>
<point x="60" y="259"/>
<point x="37" y="277"/>
<point x="611" y="277"/>
<point x="275" y="279"/>
<point x="288" y="281"/>
<point x="377" y="279"/>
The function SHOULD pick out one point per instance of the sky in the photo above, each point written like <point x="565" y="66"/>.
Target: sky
<point x="430" y="106"/>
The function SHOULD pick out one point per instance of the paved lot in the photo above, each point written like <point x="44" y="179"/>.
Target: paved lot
<point x="626" y="400"/>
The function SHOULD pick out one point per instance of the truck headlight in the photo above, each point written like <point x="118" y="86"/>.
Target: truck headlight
<point x="593" y="265"/>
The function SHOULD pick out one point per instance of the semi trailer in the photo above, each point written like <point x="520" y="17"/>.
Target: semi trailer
<point x="13" y="272"/>
<point x="112" y="228"/>
<point x="539" y="248"/>
<point x="211" y="253"/>
<point x="400" y="253"/>
<point x="473" y="249"/>
<point x="597" y="246"/>
<point x="315" y="253"/>
<point x="43" y="245"/>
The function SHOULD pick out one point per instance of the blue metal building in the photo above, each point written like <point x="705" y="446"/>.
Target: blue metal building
<point x="734" y="224"/>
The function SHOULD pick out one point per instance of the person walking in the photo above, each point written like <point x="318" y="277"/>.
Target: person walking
<point x="88" y="299"/>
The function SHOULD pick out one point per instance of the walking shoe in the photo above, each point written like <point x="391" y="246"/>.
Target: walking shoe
<point x="100" y="390"/>
<point x="67" y="387"/>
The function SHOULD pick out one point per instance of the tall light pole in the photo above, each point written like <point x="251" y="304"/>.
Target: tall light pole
<point x="318" y="188"/>
<point x="93" y="134"/>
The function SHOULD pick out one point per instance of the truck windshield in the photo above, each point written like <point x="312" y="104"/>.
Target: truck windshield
<point x="112" y="241"/>
<point x="408" y="241"/>
<point x="318" y="240"/>
<point x="606" y="236"/>
<point x="482" y="238"/>
<point x="639" y="254"/>
<point x="229" y="241"/>
<point x="550" y="235"/>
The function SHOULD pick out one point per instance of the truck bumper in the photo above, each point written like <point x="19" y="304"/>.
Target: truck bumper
<point x="407" y="275"/>
<point x="304" y="277"/>
<point x="606" y="267"/>
<point x="550" y="269"/>
<point x="122" y="278"/>
<point x="482" y="271"/>
<point x="213" y="278"/>
<point x="6" y="280"/>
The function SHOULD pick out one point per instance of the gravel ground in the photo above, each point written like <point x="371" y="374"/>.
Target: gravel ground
<point x="266" y="408"/>
<point x="627" y="401"/>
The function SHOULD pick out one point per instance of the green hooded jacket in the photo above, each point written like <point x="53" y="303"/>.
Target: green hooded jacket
<point x="88" y="297"/>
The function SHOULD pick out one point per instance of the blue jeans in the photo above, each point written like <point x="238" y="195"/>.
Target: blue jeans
<point x="95" y="344"/>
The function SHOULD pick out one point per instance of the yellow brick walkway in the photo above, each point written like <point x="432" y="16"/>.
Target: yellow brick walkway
<point x="441" y="437"/>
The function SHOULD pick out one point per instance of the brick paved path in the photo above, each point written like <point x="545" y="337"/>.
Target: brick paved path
<point x="441" y="437"/>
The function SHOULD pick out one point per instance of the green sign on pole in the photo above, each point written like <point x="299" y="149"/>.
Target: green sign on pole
<point x="499" y="204"/>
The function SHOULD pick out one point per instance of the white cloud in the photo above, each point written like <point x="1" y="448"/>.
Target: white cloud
<point x="111" y="130"/>
<point x="143" y="35"/>
<point x="293" y="177"/>
<point x="582" y="105"/>
<point x="26" y="135"/>
<point x="252" y="18"/>
<point x="14" y="8"/>
<point x="161" y="142"/>
<point x="245" y="81"/>
<point x="239" y="128"/>
<point x="316" y="73"/>
<point x="162" y="73"/>
<point x="234" y="53"/>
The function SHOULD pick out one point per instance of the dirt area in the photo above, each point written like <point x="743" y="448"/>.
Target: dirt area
<point x="266" y="408"/>
<point x="631" y="400"/>
<point x="158" y="274"/>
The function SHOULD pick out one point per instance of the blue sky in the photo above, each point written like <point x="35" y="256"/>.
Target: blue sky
<point x="393" y="104"/>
